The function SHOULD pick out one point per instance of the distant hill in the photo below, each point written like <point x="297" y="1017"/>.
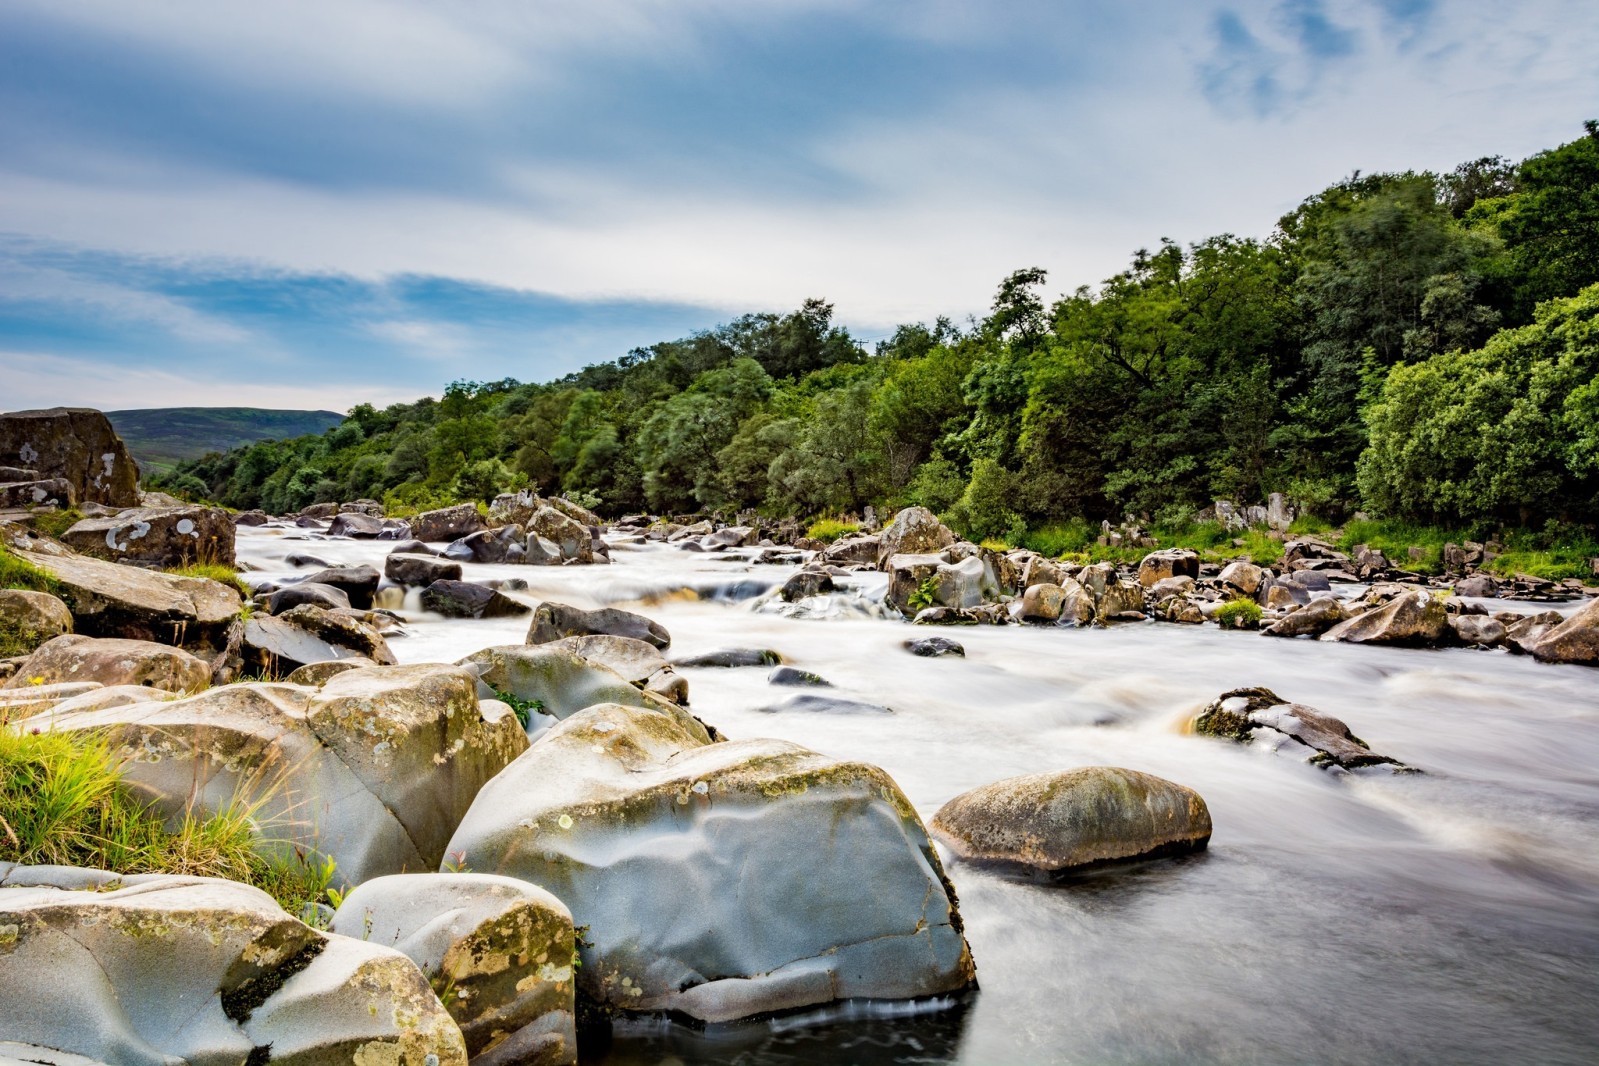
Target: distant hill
<point x="163" y="436"/>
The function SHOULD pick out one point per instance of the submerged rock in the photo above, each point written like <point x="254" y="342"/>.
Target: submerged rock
<point x="733" y="657"/>
<point x="642" y="828"/>
<point x="155" y="969"/>
<point x="504" y="948"/>
<point x="933" y="647"/>
<point x="794" y="676"/>
<point x="1258" y="714"/>
<point x="806" y="583"/>
<point x="1066" y="820"/>
<point x="807" y="703"/>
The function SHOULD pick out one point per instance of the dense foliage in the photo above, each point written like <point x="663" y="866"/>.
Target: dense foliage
<point x="1418" y="345"/>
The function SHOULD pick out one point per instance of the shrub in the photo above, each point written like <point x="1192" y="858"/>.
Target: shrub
<point x="1239" y="614"/>
<point x="828" y="530"/>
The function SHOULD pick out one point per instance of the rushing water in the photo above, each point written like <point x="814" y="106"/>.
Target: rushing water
<point x="1445" y="917"/>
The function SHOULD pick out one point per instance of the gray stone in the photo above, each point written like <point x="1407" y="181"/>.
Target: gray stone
<point x="1071" y="819"/>
<point x="107" y="661"/>
<point x="1259" y="715"/>
<point x="934" y="647"/>
<point x="161" y="537"/>
<point x="75" y="444"/>
<point x="463" y="599"/>
<point x="808" y="703"/>
<point x="733" y="657"/>
<point x="306" y="593"/>
<point x="1416" y="617"/>
<point x="794" y="676"/>
<point x="447" y="523"/>
<point x="804" y="584"/>
<point x="1574" y="640"/>
<point x="419" y="571"/>
<point x="358" y="583"/>
<point x="571" y="537"/>
<point x="553" y="621"/>
<point x="641" y="826"/>
<point x="28" y="619"/>
<point x="1311" y="620"/>
<point x="1167" y="563"/>
<point x="914" y="531"/>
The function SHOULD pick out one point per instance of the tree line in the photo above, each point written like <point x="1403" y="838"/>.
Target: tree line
<point x="1420" y="346"/>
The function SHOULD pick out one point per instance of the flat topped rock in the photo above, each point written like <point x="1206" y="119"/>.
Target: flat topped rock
<point x="1071" y="819"/>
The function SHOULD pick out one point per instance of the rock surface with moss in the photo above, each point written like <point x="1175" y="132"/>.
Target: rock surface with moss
<point x="721" y="881"/>
<point x="1070" y="819"/>
<point x="1260" y="716"/>
<point x="108" y="661"/>
<point x="75" y="444"/>
<point x="148" y="970"/>
<point x="500" y="952"/>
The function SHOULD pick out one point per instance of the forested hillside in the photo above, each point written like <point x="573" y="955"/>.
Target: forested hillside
<point x="1421" y="346"/>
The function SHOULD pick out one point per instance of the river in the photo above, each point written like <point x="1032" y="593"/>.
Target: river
<point x="1444" y="917"/>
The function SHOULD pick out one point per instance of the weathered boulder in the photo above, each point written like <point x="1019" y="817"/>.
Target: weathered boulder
<point x="1096" y="577"/>
<point x="28" y="619"/>
<point x="1169" y="587"/>
<point x="1070" y="819"/>
<point x="1167" y="563"/>
<point x="1481" y="586"/>
<point x="159" y="537"/>
<point x="251" y="518"/>
<point x="934" y="647"/>
<point x="560" y="682"/>
<point x="1243" y="577"/>
<point x="306" y="594"/>
<point x="552" y="621"/>
<point x="76" y="445"/>
<point x="447" y="523"/>
<point x="504" y="948"/>
<point x="1121" y="599"/>
<point x="358" y="583"/>
<point x="1575" y="640"/>
<point x="358" y="526"/>
<point x="1477" y="630"/>
<point x="1311" y="620"/>
<point x="733" y="657"/>
<point x="109" y="600"/>
<point x="419" y="571"/>
<point x="914" y="531"/>
<point x="514" y="507"/>
<point x="276" y="645"/>
<point x="805" y="583"/>
<point x="793" y="676"/>
<point x="150" y="970"/>
<point x="1259" y="715"/>
<point x="640" y="825"/>
<point x="571" y="537"/>
<point x="36" y="492"/>
<point x="919" y="581"/>
<point x="374" y="768"/>
<point x="1066" y="603"/>
<point x="108" y="661"/>
<point x="313" y="674"/>
<point x="502" y="545"/>
<point x="852" y="551"/>
<point x="581" y="515"/>
<point x="635" y="660"/>
<point x="1415" y="617"/>
<point x="463" y="599"/>
<point x="25" y="701"/>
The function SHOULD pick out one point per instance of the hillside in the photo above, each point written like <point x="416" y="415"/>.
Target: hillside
<point x="159" y="438"/>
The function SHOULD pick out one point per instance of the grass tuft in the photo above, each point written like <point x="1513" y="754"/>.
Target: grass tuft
<point x="216" y="572"/>
<point x="55" y="523"/>
<point x="18" y="574"/>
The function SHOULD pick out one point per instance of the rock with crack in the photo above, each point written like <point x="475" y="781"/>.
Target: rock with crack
<point x="75" y="444"/>
<point x="552" y="621"/>
<point x="1072" y="819"/>
<point x="914" y="531"/>
<point x="572" y="538"/>
<point x="374" y="768"/>
<point x="641" y="827"/>
<point x="1413" y="617"/>
<point x="152" y="970"/>
<point x="504" y="950"/>
<point x="276" y="645"/>
<point x="107" y="661"/>
<point x="1260" y="716"/>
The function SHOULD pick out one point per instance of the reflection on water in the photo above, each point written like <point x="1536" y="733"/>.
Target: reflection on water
<point x="1446" y="917"/>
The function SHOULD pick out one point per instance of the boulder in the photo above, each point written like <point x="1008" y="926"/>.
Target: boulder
<point x="793" y="676"/>
<point x="1477" y="630"/>
<point x="733" y="657"/>
<point x="360" y="526"/>
<point x="559" y="682"/>
<point x="373" y="768"/>
<point x="635" y="660"/>
<point x="251" y="518"/>
<point x="411" y="547"/>
<point x="313" y="674"/>
<point x="1480" y="586"/>
<point x="108" y="661"/>
<point x="301" y="559"/>
<point x="1071" y="819"/>
<point x="934" y="647"/>
<point x="642" y="826"/>
<point x="1259" y="715"/>
<point x="914" y="531"/>
<point x="1121" y="599"/>
<point x="358" y="583"/>
<point x="552" y="621"/>
<point x="571" y="537"/>
<point x="502" y="545"/>
<point x="276" y="645"/>
<point x="27" y="700"/>
<point x="306" y="594"/>
<point x="1311" y="620"/>
<point x="463" y="599"/>
<point x="76" y="445"/>
<point x="1574" y="640"/>
<point x="730" y="537"/>
<point x="108" y="600"/>
<point x="1066" y="603"/>
<point x="156" y="969"/>
<point x="851" y="551"/>
<point x="419" y="571"/>
<point x="35" y="492"/>
<point x="1415" y="617"/>
<point x="1096" y="578"/>
<point x="447" y="523"/>
<point x="804" y="584"/>
<point x="28" y="619"/>
<point x="503" y="947"/>
<point x="1169" y="587"/>
<point x="1167" y="563"/>
<point x="581" y="515"/>
<point x="1522" y="631"/>
<point x="514" y="507"/>
<point x="1243" y="577"/>
<point x="160" y="537"/>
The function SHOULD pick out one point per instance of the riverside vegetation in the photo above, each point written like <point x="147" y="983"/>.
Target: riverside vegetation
<point x="1419" y="347"/>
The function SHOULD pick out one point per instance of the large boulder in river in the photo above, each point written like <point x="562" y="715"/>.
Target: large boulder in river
<point x="419" y="571"/>
<point x="1414" y="617"/>
<point x="109" y="600"/>
<point x="914" y="531"/>
<point x="465" y="599"/>
<point x="504" y="948"/>
<point x="573" y="538"/>
<point x="28" y="619"/>
<point x="552" y="621"/>
<point x="1311" y="620"/>
<point x="638" y="662"/>
<point x="1067" y="603"/>
<point x="74" y="658"/>
<point x="359" y="526"/>
<point x="1071" y="819"/>
<point x="502" y="545"/>
<point x="152" y="969"/>
<point x="1574" y="640"/>
<point x="722" y="880"/>
<point x="374" y="768"/>
<point x="1167" y="563"/>
<point x="276" y="645"/>
<point x="560" y="682"/>
<point x="161" y="537"/>
<point x="358" y="583"/>
<point x="74" y="444"/>
<point x="1260" y="716"/>
<point x="447" y="523"/>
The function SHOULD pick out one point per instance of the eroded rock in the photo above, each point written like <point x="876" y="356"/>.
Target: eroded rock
<point x="107" y="661"/>
<point x="1259" y="715"/>
<point x="162" y="537"/>
<point x="553" y="621"/>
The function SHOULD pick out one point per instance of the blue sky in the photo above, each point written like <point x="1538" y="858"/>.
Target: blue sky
<point x="304" y="204"/>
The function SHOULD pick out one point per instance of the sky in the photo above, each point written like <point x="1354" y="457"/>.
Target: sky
<point x="313" y="205"/>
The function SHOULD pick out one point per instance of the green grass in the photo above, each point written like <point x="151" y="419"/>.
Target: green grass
<point x="16" y="640"/>
<point x="1078" y="540"/>
<point x="216" y="572"/>
<point x="16" y="573"/>
<point x="827" y="530"/>
<point x="55" y="523"/>
<point x="1239" y="614"/>
<point x="62" y="802"/>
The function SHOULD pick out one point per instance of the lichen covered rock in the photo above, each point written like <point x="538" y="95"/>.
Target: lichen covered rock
<point x="107" y="661"/>
<point x="75" y="444"/>
<point x="1259" y="715"/>
<point x="157" y="536"/>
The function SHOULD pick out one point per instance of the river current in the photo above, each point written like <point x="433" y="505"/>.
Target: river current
<point x="1450" y="916"/>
